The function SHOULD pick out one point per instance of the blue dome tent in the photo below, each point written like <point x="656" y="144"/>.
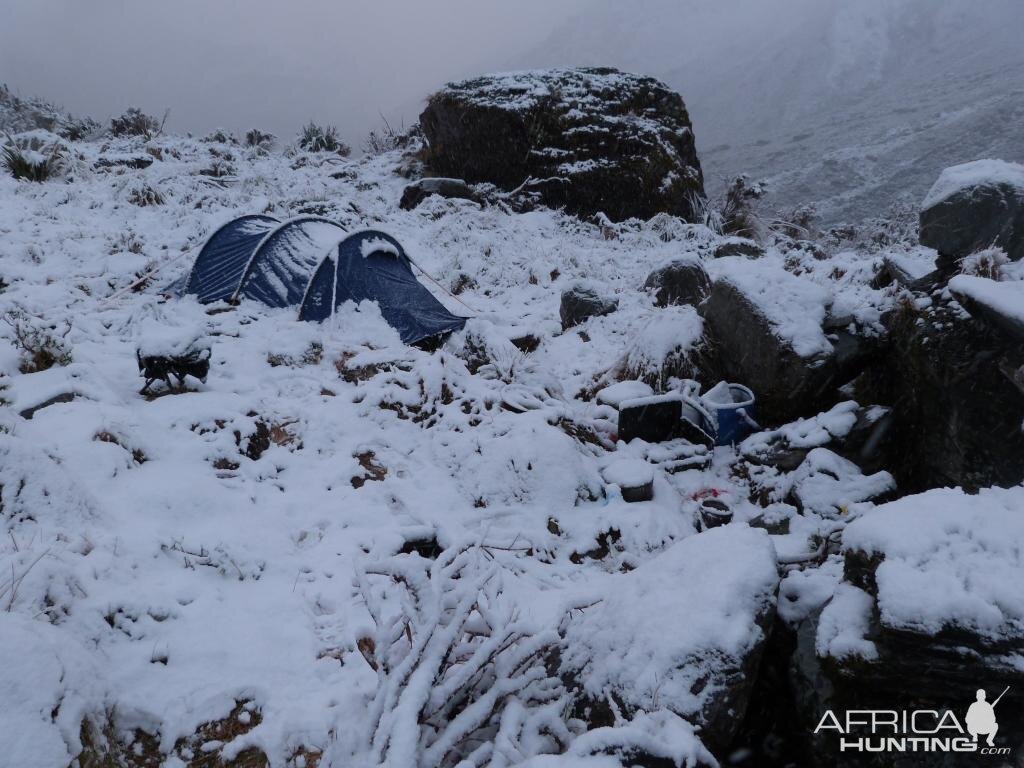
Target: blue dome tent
<point x="218" y="268"/>
<point x="372" y="265"/>
<point x="259" y="257"/>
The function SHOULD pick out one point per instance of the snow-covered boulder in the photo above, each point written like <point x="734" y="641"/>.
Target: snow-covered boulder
<point x="581" y="302"/>
<point x="683" y="632"/>
<point x="683" y="281"/>
<point x="974" y="206"/>
<point x="944" y="562"/>
<point x="589" y="140"/>
<point x="1000" y="303"/>
<point x="420" y="190"/>
<point x="766" y="327"/>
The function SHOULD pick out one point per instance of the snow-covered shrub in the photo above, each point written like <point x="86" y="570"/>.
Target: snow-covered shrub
<point x="144" y="195"/>
<point x="33" y="156"/>
<point x="381" y="140"/>
<point x="126" y="242"/>
<point x="736" y="214"/>
<point x="798" y="222"/>
<point x="39" y="348"/>
<point x="461" y="669"/>
<point x="322" y="138"/>
<point x="259" y="140"/>
<point x="135" y="122"/>
<point x="220" y="136"/>
<point x="219" y="168"/>
<point x="987" y="263"/>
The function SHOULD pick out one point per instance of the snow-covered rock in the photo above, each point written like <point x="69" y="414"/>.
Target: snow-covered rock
<point x="683" y="281"/>
<point x="582" y="302"/>
<point x="974" y="206"/>
<point x="1002" y="303"/>
<point x="766" y="327"/>
<point x="683" y="632"/>
<point x="946" y="561"/>
<point x="592" y="140"/>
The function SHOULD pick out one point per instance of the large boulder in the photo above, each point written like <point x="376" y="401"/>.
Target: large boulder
<point x="765" y="327"/>
<point x="589" y="140"/>
<point x="975" y="206"/>
<point x="683" y="281"/>
<point x="955" y="383"/>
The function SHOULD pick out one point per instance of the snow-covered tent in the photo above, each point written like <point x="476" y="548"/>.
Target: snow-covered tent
<point x="372" y="265"/>
<point x="261" y="258"/>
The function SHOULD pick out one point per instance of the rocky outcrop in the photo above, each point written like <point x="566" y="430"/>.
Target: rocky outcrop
<point x="587" y="140"/>
<point x="975" y="206"/>
<point x="956" y="387"/>
<point x="912" y="626"/>
<point x="420" y="190"/>
<point x="580" y="303"/>
<point x="683" y="281"/>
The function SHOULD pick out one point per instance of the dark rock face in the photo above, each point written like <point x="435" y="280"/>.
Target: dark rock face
<point x="590" y="140"/>
<point x="748" y="351"/>
<point x="681" y="282"/>
<point x="418" y="191"/>
<point x="975" y="218"/>
<point x="956" y="387"/>
<point x="580" y="303"/>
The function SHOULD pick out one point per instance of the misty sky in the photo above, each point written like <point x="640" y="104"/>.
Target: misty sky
<point x="751" y="72"/>
<point x="252" y="63"/>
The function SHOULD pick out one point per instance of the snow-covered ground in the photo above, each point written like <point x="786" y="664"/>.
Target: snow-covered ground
<point x="235" y="550"/>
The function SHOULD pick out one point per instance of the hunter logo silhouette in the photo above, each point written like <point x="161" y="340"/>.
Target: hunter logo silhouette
<point x="981" y="717"/>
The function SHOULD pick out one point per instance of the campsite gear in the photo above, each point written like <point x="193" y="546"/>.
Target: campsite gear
<point x="713" y="513"/>
<point x="732" y="407"/>
<point x="635" y="478"/>
<point x="193" y="361"/>
<point x="696" y="423"/>
<point x="373" y="266"/>
<point x="259" y="257"/>
<point x="652" y="419"/>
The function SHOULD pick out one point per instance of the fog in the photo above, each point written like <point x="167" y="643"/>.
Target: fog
<point x="252" y="63"/>
<point x="772" y="85"/>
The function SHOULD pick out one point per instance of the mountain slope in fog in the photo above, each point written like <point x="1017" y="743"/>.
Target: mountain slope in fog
<point x="850" y="105"/>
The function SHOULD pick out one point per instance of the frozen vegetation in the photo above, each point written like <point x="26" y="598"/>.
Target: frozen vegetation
<point x="339" y="550"/>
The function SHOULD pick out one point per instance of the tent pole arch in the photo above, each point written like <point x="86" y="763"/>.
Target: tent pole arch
<point x="213" y="241"/>
<point x="270" y="236"/>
